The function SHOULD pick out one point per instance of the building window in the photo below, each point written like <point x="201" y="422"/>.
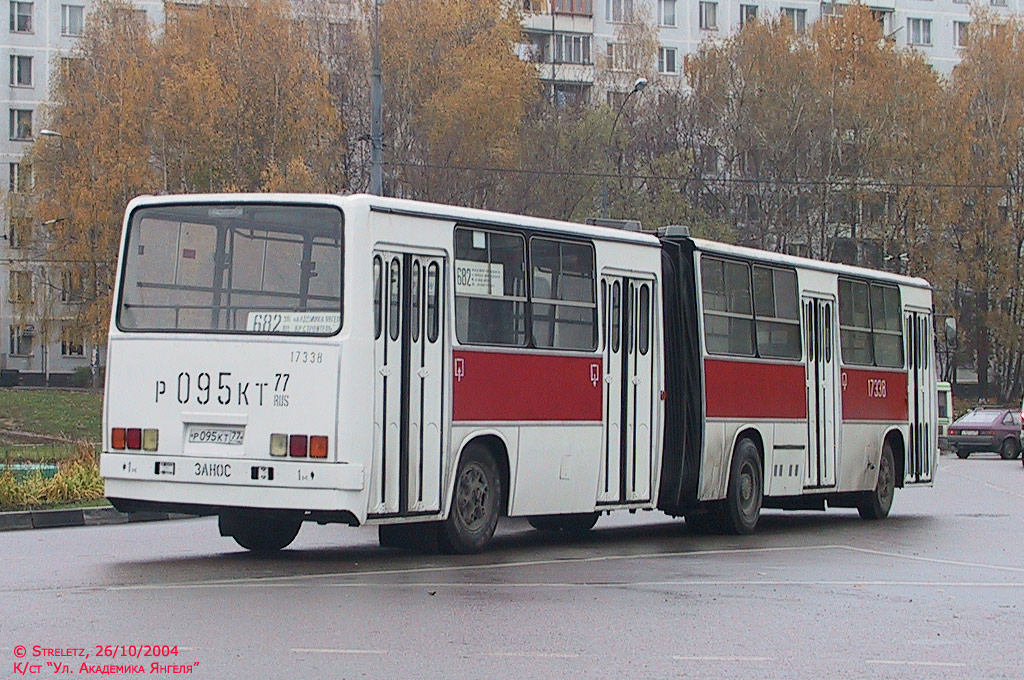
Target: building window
<point x="577" y="7"/>
<point x="748" y="13"/>
<point x="20" y="231"/>
<point x="616" y="58"/>
<point x="20" y="340"/>
<point x="71" y="19"/>
<point x="709" y="16"/>
<point x="72" y="288"/>
<point x="563" y="296"/>
<point x="619" y="10"/>
<point x="21" y="125"/>
<point x="572" y="48"/>
<point x="21" y="17"/>
<point x="667" y="12"/>
<point x="21" y="71"/>
<point x="797" y="18"/>
<point x="919" y="31"/>
<point x="667" y="60"/>
<point x="20" y="177"/>
<point x="71" y="343"/>
<point x="21" y="287"/>
<point x="999" y="3"/>
<point x="960" y="33"/>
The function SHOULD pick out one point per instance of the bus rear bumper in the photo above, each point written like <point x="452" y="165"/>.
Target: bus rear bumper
<point x="145" y="482"/>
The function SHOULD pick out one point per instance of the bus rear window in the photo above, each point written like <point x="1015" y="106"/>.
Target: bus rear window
<point x="245" y="268"/>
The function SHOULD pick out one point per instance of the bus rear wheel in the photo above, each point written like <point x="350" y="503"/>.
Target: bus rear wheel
<point x="260" y="532"/>
<point x="876" y="504"/>
<point x="745" y="493"/>
<point x="575" y="524"/>
<point x="476" y="504"/>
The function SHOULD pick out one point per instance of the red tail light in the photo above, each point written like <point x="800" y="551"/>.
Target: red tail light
<point x="318" y="447"/>
<point x="134" y="438"/>
<point x="298" y="445"/>
<point x="117" y="438"/>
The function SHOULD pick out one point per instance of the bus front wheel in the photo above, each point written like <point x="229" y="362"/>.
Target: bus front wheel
<point x="260" y="532"/>
<point x="476" y="504"/>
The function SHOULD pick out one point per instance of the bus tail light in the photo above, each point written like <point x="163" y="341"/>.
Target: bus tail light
<point x="278" y="445"/>
<point x="318" y="447"/>
<point x="117" y="438"/>
<point x="298" y="445"/>
<point x="133" y="437"/>
<point x="150" y="439"/>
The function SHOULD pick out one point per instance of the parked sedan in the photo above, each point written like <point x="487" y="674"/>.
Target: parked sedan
<point x="987" y="428"/>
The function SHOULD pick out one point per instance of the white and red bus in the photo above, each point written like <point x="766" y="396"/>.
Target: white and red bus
<point x="275" y="359"/>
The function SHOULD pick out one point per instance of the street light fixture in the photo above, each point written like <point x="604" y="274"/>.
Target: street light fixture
<point x="639" y="85"/>
<point x="50" y="133"/>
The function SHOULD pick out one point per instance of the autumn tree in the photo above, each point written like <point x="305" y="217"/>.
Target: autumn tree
<point x="229" y="97"/>
<point x="455" y="95"/>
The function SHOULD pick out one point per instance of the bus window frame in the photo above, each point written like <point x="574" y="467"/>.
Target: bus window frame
<point x="170" y="205"/>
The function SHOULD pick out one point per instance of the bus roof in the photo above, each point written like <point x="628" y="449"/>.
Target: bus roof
<point x="807" y="263"/>
<point x="412" y="208"/>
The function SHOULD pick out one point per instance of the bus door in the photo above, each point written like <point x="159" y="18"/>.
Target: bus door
<point x="822" y="368"/>
<point x="409" y="363"/>
<point x="918" y="341"/>
<point x="628" y="325"/>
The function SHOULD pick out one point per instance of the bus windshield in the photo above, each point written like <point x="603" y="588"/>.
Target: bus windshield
<point x="243" y="268"/>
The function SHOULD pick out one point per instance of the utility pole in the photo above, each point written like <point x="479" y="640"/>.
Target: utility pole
<point x="376" y="104"/>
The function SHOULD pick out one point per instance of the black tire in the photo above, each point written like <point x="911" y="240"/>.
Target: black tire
<point x="745" y="494"/>
<point x="963" y="455"/>
<point x="260" y="532"/>
<point x="876" y="504"/>
<point x="1008" y="450"/>
<point x="476" y="504"/>
<point x="575" y="524"/>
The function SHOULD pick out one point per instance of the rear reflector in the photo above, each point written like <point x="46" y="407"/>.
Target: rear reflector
<point x="298" y="445"/>
<point x="133" y="437"/>
<point x="117" y="439"/>
<point x="150" y="439"/>
<point x="278" y="445"/>
<point x="318" y="447"/>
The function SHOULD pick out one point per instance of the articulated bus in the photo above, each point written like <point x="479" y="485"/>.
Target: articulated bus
<point x="275" y="359"/>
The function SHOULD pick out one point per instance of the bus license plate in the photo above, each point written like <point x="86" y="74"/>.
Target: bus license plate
<point x="215" y="435"/>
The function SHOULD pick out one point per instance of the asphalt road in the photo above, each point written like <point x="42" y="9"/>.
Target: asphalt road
<point x="935" y="591"/>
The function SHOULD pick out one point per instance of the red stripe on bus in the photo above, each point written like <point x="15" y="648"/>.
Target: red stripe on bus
<point x="872" y="394"/>
<point x="750" y="389"/>
<point x="496" y="386"/>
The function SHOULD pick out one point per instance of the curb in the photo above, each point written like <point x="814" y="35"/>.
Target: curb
<point x="78" y="517"/>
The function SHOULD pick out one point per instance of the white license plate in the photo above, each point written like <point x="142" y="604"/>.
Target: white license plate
<point x="969" y="433"/>
<point x="215" y="435"/>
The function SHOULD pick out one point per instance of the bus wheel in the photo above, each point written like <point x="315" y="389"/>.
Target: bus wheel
<point x="876" y="504"/>
<point x="1008" y="451"/>
<point x="260" y="532"/>
<point x="476" y="504"/>
<point x="576" y="524"/>
<point x="746" y="490"/>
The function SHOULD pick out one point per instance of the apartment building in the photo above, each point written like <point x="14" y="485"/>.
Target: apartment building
<point x="36" y="299"/>
<point x="570" y="38"/>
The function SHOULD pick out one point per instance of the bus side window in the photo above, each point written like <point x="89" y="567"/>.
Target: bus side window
<point x="433" y="303"/>
<point x="394" y="300"/>
<point x="562" y="294"/>
<point x="490" y="287"/>
<point x="616" y="314"/>
<point x="414" y="310"/>
<point x="645" y="319"/>
<point x="886" y="326"/>
<point x="377" y="282"/>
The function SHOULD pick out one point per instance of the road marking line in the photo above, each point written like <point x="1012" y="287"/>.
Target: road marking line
<point x="1008" y="492"/>
<point x="339" y="651"/>
<point x="936" y="560"/>
<point x="894" y="662"/>
<point x="534" y="655"/>
<point x="723" y="658"/>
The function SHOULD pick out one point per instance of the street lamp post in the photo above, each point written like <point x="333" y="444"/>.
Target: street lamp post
<point x="640" y="84"/>
<point x="376" y="106"/>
